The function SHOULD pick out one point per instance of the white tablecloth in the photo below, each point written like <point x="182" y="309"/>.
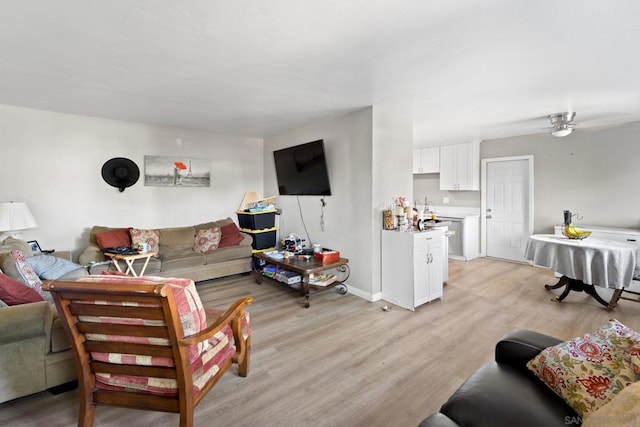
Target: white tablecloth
<point x="596" y="262"/>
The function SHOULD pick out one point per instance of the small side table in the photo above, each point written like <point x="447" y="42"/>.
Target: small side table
<point x="129" y="259"/>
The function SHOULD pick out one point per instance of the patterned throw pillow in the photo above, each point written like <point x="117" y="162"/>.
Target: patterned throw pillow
<point x="589" y="371"/>
<point x="207" y="240"/>
<point x="15" y="265"/>
<point x="152" y="237"/>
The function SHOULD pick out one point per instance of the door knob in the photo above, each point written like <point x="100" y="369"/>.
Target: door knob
<point x="488" y="209"/>
<point x="488" y="216"/>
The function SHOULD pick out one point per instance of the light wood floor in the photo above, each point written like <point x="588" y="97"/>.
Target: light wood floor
<point x="345" y="362"/>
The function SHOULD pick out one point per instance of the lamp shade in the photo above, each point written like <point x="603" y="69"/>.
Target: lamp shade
<point x="16" y="216"/>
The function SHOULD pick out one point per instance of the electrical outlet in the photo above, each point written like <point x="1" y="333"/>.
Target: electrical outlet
<point x="445" y="200"/>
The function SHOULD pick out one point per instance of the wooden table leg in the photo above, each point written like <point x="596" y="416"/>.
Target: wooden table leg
<point x="305" y="291"/>
<point x="563" y="281"/>
<point x="578" y="286"/>
<point x="614" y="299"/>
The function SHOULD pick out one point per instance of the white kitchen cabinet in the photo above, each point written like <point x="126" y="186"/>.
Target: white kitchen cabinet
<point x="426" y="160"/>
<point x="412" y="267"/>
<point x="460" y="166"/>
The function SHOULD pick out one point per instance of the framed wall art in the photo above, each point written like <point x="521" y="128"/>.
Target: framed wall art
<point x="175" y="171"/>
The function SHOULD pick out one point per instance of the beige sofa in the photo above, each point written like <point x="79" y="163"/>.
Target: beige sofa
<point x="176" y="256"/>
<point x="34" y="351"/>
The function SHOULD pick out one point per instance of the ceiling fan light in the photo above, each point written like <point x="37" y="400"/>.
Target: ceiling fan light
<point x="564" y="131"/>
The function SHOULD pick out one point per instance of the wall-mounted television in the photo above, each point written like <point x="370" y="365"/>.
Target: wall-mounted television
<point x="301" y="170"/>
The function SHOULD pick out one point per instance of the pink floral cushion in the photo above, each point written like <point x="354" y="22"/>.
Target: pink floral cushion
<point x="207" y="240"/>
<point x="589" y="371"/>
<point x="152" y="237"/>
<point x="24" y="272"/>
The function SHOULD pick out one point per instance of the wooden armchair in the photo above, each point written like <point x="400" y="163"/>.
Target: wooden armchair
<point x="128" y="338"/>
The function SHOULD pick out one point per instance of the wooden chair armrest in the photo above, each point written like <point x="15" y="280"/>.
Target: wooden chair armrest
<point x="234" y="312"/>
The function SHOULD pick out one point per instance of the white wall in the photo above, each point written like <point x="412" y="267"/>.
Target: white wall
<point x="352" y="215"/>
<point x="595" y="173"/>
<point x="53" y="162"/>
<point x="391" y="177"/>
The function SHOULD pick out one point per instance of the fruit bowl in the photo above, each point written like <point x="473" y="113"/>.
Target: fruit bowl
<point x="572" y="232"/>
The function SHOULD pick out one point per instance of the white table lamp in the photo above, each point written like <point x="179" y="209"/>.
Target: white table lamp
<point x="15" y="217"/>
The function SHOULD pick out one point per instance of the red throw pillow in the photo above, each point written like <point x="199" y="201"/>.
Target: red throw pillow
<point x="230" y="235"/>
<point x="13" y="292"/>
<point x="114" y="238"/>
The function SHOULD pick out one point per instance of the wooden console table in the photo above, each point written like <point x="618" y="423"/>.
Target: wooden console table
<point x="584" y="264"/>
<point x="305" y="268"/>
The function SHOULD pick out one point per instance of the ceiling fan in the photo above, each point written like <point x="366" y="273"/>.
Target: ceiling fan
<point x="562" y="124"/>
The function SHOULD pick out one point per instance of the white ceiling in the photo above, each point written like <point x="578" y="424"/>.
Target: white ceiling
<point x="462" y="69"/>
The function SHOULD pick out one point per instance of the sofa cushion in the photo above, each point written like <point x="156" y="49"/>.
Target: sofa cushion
<point x="243" y="250"/>
<point x="139" y="236"/>
<point x="176" y="239"/>
<point x="59" y="340"/>
<point x="183" y="259"/>
<point x="13" y="292"/>
<point x="15" y="265"/>
<point x="11" y="243"/>
<point x="589" y="371"/>
<point x="207" y="240"/>
<point x="230" y="235"/>
<point x="114" y="238"/>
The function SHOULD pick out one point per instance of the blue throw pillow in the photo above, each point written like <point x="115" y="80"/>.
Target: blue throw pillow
<point x="50" y="267"/>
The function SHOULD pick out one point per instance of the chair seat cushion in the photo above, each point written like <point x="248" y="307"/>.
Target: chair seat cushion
<point x="219" y="349"/>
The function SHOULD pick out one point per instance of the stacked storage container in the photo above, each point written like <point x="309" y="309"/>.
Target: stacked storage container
<point x="261" y="226"/>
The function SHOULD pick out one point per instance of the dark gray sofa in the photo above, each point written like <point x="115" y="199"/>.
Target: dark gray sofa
<point x="505" y="393"/>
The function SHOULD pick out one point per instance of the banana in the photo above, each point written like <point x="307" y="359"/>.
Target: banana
<point x="573" y="232"/>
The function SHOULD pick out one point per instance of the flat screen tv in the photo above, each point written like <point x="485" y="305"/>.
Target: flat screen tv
<point x="301" y="170"/>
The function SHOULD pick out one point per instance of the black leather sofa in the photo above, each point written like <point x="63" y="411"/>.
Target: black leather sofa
<point x="505" y="392"/>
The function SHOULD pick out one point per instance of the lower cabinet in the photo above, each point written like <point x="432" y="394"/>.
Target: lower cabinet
<point x="412" y="267"/>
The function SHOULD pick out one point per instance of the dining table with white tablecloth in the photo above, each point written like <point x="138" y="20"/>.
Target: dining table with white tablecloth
<point x="583" y="263"/>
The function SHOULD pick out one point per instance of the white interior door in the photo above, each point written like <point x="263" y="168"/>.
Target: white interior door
<point x="507" y="206"/>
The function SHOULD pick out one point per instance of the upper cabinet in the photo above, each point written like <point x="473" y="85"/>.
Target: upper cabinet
<point x="459" y="166"/>
<point x="426" y="160"/>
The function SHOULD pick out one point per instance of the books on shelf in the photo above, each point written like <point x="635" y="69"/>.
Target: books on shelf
<point x="322" y="279"/>
<point x="288" y="277"/>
